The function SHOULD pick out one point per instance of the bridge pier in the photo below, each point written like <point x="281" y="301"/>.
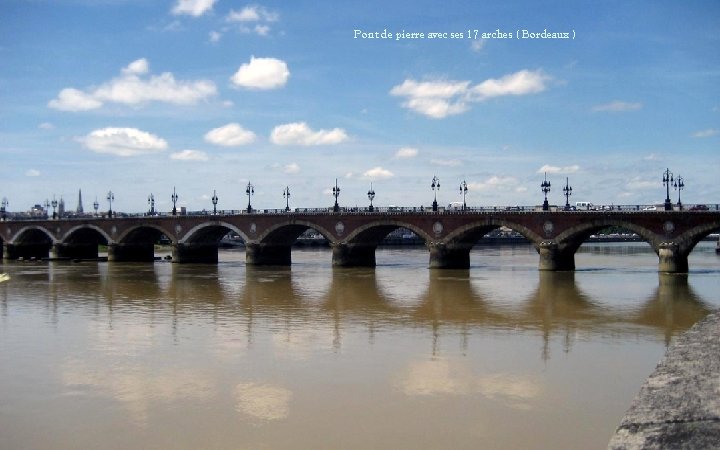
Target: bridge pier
<point x="75" y="251"/>
<point x="26" y="251"/>
<point x="131" y="252"/>
<point x="258" y="254"/>
<point x="554" y="258"/>
<point x="671" y="260"/>
<point x="195" y="253"/>
<point x="443" y="256"/>
<point x="353" y="255"/>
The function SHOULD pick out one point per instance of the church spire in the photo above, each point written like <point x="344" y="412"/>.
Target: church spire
<point x="79" y="206"/>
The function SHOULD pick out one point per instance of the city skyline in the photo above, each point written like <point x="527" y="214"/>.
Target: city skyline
<point x="207" y="95"/>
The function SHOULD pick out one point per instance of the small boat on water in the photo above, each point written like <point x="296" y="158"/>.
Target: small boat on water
<point x="4" y="277"/>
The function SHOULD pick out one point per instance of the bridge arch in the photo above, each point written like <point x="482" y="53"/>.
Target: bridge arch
<point x="29" y="242"/>
<point x="210" y="232"/>
<point x="286" y="233"/>
<point x="81" y="242"/>
<point x="137" y="243"/>
<point x="358" y="248"/>
<point x="690" y="238"/>
<point x="473" y="232"/>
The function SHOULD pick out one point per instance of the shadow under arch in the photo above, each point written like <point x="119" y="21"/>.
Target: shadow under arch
<point x="136" y="244"/>
<point x="453" y="252"/>
<point x="274" y="246"/>
<point x="200" y="244"/>
<point x="81" y="242"/>
<point x="359" y="247"/>
<point x="569" y="241"/>
<point x="30" y="242"/>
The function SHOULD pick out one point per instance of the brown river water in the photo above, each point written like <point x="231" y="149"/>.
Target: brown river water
<point x="502" y="356"/>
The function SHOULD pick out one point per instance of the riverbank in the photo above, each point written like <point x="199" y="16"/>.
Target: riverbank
<point x="679" y="404"/>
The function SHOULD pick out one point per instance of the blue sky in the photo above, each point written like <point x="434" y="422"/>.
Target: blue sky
<point x="139" y="97"/>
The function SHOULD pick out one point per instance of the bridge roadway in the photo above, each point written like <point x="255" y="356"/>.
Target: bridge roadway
<point x="354" y="236"/>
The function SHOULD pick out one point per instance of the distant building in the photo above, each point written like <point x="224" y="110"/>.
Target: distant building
<point x="79" y="209"/>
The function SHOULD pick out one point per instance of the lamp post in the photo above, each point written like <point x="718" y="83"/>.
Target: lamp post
<point x="151" y="202"/>
<point x="336" y="193"/>
<point x="371" y="197"/>
<point x="249" y="190"/>
<point x="463" y="191"/>
<point x="54" y="205"/>
<point x="110" y="198"/>
<point x="545" y="186"/>
<point x="679" y="185"/>
<point x="96" y="205"/>
<point x="214" y="200"/>
<point x="3" y="211"/>
<point x="435" y="185"/>
<point x="568" y="192"/>
<point x="47" y="208"/>
<point x="667" y="181"/>
<point x="174" y="198"/>
<point x="286" y="196"/>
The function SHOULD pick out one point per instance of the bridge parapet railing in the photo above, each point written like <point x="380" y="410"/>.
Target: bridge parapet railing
<point x="386" y="210"/>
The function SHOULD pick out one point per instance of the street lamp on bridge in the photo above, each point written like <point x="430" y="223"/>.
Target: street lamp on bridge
<point x="545" y="187"/>
<point x="336" y="193"/>
<point x="435" y="187"/>
<point x="151" y="202"/>
<point x="3" y="211"/>
<point x="96" y="205"/>
<point x="214" y="200"/>
<point x="249" y="190"/>
<point x="568" y="192"/>
<point x="174" y="198"/>
<point x="286" y="196"/>
<point x="679" y="186"/>
<point x="47" y="208"/>
<point x="110" y="198"/>
<point x="371" y="197"/>
<point x="54" y="205"/>
<point x="463" y="191"/>
<point x="667" y="181"/>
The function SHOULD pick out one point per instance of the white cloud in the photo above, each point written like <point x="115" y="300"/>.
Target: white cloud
<point x="560" y="170"/>
<point x="519" y="83"/>
<point x="617" y="106"/>
<point x="706" y="133"/>
<point x="46" y="126"/>
<point x="298" y="133"/>
<point x="638" y="183"/>
<point x="123" y="142"/>
<point x="291" y="168"/>
<point x="252" y="13"/>
<point x="439" y="99"/>
<point x="478" y="44"/>
<point x="262" y="30"/>
<point x="193" y="8"/>
<point x="137" y="67"/>
<point x="262" y="73"/>
<point x="494" y="183"/>
<point x="131" y="89"/>
<point x="406" y="153"/>
<point x="70" y="99"/>
<point x="214" y="36"/>
<point x="446" y="162"/>
<point x="32" y="173"/>
<point x="190" y="155"/>
<point x="378" y="173"/>
<point x="230" y="135"/>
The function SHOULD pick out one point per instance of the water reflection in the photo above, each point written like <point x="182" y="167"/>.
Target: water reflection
<point x="244" y="296"/>
<point x="261" y="356"/>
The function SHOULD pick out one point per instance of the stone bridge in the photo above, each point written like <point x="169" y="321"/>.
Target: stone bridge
<point x="354" y="236"/>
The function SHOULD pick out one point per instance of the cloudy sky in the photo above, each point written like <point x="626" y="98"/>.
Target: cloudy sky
<point x="140" y="96"/>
